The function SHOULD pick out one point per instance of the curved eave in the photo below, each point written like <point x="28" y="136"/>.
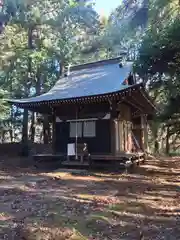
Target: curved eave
<point x="82" y="99"/>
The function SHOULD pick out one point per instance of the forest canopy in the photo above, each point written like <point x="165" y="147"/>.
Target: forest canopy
<point x="38" y="39"/>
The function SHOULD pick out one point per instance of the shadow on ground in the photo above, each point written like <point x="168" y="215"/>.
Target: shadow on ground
<point x="62" y="205"/>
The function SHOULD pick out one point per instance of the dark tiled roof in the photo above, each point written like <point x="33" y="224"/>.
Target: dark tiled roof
<point x="91" y="79"/>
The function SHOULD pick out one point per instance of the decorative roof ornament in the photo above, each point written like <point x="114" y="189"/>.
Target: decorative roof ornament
<point x="122" y="62"/>
<point x="124" y="55"/>
<point x="91" y="80"/>
<point x="67" y="72"/>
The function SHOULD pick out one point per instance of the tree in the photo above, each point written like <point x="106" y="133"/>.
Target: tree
<point x="36" y="40"/>
<point x="158" y="62"/>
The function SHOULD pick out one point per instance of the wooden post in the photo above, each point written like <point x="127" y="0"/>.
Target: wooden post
<point x="53" y="130"/>
<point x="124" y="135"/>
<point x="121" y="134"/>
<point x="117" y="135"/>
<point x="113" y="112"/>
<point x="113" y="136"/>
<point x="124" y="125"/>
<point x="76" y="143"/>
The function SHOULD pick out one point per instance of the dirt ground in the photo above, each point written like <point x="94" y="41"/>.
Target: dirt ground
<point x="82" y="205"/>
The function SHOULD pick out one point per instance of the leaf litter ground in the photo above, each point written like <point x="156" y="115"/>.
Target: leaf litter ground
<point x="84" y="206"/>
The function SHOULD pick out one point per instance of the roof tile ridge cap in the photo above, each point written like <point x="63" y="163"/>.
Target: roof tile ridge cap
<point x="96" y="64"/>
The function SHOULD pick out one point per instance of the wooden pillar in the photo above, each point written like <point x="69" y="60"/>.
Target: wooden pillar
<point x="113" y="111"/>
<point x="113" y="136"/>
<point x="124" y="135"/>
<point x="53" y="130"/>
<point x="117" y="138"/>
<point x="129" y="140"/>
<point x="138" y="133"/>
<point x="121" y="135"/>
<point x="125" y="127"/>
<point x="76" y="143"/>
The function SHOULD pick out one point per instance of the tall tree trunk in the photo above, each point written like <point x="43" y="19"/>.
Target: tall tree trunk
<point x="12" y="115"/>
<point x="46" y="126"/>
<point x="46" y="129"/>
<point x="11" y="132"/>
<point x="25" y="150"/>
<point x="33" y="118"/>
<point x="167" y="141"/>
<point x="3" y="136"/>
<point x="61" y="70"/>
<point x="33" y="127"/>
<point x="24" y="140"/>
<point x="25" y="133"/>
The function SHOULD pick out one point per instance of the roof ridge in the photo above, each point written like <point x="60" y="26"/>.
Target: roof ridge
<point x="96" y="64"/>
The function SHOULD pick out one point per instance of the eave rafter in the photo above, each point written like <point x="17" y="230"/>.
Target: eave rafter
<point x="116" y="96"/>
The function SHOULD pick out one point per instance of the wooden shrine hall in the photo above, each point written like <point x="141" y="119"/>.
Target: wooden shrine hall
<point x="99" y="114"/>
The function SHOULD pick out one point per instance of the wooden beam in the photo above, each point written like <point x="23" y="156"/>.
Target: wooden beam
<point x="141" y="106"/>
<point x="148" y="99"/>
<point x="134" y="105"/>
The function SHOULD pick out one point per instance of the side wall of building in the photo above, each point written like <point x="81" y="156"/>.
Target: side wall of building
<point x="123" y="125"/>
<point x="130" y="133"/>
<point x="140" y="132"/>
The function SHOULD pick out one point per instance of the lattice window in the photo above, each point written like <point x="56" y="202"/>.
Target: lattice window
<point x="75" y="127"/>
<point x="89" y="129"/>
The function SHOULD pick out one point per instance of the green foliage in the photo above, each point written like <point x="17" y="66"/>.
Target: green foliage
<point x="158" y="63"/>
<point x="40" y="37"/>
<point x="4" y="107"/>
